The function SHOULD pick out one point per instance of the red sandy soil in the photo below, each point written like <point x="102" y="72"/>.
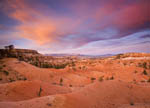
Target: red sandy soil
<point x="23" y="90"/>
<point x="107" y="94"/>
<point x="129" y="87"/>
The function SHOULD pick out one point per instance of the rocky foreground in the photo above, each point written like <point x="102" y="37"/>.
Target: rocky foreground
<point x="121" y="81"/>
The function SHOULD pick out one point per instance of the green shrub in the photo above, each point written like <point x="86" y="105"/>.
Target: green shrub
<point x="24" y="78"/>
<point x="144" y="72"/>
<point x="61" y="81"/>
<point x="145" y="65"/>
<point x="6" y="72"/>
<point x="36" y="63"/>
<point x="39" y="94"/>
<point x="45" y="65"/>
<point x="60" y="66"/>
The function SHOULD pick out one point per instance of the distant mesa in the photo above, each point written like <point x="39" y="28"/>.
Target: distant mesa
<point x="33" y="57"/>
<point x="10" y="47"/>
<point x="11" y="51"/>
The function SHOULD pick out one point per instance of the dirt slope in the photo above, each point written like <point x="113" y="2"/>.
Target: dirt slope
<point x="106" y="83"/>
<point x="108" y="94"/>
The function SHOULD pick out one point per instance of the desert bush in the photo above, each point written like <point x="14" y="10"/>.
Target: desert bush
<point x="74" y="68"/>
<point x="145" y="65"/>
<point x="131" y="103"/>
<point x="144" y="72"/>
<point x="61" y="81"/>
<point x="60" y="66"/>
<point x="80" y="68"/>
<point x="19" y="78"/>
<point x="11" y="80"/>
<point x="134" y="80"/>
<point x="56" y="66"/>
<point x="119" y="56"/>
<point x="135" y="71"/>
<point x="45" y="65"/>
<point x="49" y="104"/>
<point x="73" y="64"/>
<point x="36" y="63"/>
<point x="139" y="65"/>
<point x="111" y="78"/>
<point x="92" y="79"/>
<point x="125" y="63"/>
<point x="84" y="67"/>
<point x="24" y="78"/>
<point x="39" y="93"/>
<point x="6" y="72"/>
<point x="148" y="80"/>
<point x="20" y="58"/>
<point x="101" y="78"/>
<point x="142" y="81"/>
<point x="1" y="67"/>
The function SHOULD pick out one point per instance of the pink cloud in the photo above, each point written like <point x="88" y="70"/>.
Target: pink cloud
<point x="53" y="29"/>
<point x="34" y="25"/>
<point x="132" y="16"/>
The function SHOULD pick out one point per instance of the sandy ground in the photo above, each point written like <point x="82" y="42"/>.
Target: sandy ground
<point x="43" y="88"/>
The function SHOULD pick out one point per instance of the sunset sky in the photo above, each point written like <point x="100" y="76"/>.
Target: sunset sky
<point x="92" y="27"/>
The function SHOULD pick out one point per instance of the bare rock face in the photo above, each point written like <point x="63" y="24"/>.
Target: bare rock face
<point x="33" y="57"/>
<point x="16" y="52"/>
<point x="26" y="55"/>
<point x="132" y="55"/>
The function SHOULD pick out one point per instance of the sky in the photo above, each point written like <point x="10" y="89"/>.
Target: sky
<point x="93" y="27"/>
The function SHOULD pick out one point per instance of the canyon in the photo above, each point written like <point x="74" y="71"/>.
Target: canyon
<point x="29" y="79"/>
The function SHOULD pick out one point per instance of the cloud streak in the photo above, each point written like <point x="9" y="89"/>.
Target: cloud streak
<point x="73" y="24"/>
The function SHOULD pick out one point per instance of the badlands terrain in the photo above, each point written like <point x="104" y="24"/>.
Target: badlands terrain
<point x="31" y="80"/>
